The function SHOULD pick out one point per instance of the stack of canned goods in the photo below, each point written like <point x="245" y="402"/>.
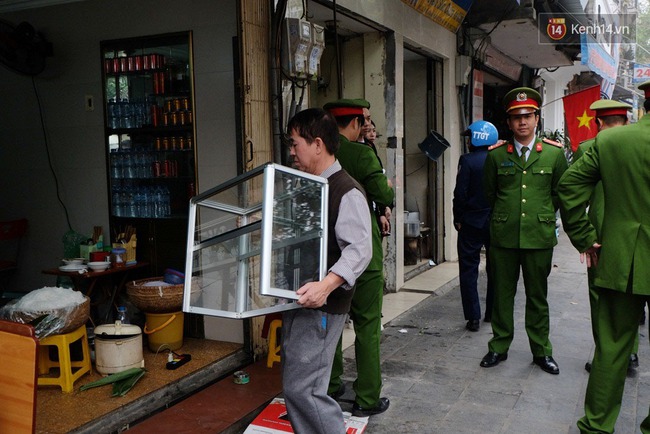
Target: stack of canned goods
<point x="173" y="143"/>
<point x="140" y="62"/>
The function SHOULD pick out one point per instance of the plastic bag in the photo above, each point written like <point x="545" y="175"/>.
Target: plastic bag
<point x="51" y="310"/>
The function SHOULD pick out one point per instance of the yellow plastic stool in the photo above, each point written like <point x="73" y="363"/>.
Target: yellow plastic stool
<point x="66" y="376"/>
<point x="274" y="345"/>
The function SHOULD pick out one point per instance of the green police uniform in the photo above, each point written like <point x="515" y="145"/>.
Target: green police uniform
<point x="523" y="198"/>
<point x="620" y="158"/>
<point x="361" y="163"/>
<point x="596" y="213"/>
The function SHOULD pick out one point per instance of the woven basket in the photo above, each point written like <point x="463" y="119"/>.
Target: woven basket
<point x="155" y="299"/>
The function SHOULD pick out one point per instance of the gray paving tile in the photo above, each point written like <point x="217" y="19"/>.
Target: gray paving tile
<point x="431" y="372"/>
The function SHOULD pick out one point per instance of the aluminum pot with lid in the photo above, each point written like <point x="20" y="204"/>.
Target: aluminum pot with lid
<point x="118" y="347"/>
<point x="411" y="224"/>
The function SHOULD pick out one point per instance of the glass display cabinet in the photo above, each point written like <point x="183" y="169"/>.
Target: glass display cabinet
<point x="150" y="146"/>
<point x="253" y="241"/>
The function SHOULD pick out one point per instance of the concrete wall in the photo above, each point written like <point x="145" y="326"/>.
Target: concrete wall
<point x="76" y="137"/>
<point x="418" y="32"/>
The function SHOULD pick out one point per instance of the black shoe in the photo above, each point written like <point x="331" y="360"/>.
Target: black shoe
<point x="338" y="393"/>
<point x="634" y="361"/>
<point x="547" y="364"/>
<point x="473" y="325"/>
<point x="493" y="359"/>
<point x="381" y="407"/>
<point x="487" y="318"/>
<point x="642" y="320"/>
<point x="588" y="366"/>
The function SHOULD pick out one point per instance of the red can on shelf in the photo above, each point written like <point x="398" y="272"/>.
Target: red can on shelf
<point x="146" y="62"/>
<point x="137" y="63"/>
<point x="123" y="64"/>
<point x="161" y="82"/>
<point x="108" y="66"/>
<point x="156" y="169"/>
<point x="153" y="61"/>
<point x="130" y="63"/>
<point x="155" y="120"/>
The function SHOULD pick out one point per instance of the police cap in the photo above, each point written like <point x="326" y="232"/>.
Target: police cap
<point x="608" y="107"/>
<point x="522" y="100"/>
<point x="345" y="107"/>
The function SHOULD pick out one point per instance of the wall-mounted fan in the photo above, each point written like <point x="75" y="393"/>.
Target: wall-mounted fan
<point x="22" y="48"/>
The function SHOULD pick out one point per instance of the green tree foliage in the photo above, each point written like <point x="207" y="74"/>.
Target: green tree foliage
<point x="643" y="32"/>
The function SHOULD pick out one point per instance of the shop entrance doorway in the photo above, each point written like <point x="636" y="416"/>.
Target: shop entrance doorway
<point x="423" y="178"/>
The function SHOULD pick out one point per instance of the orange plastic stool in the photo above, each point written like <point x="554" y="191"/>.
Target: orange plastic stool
<point x="274" y="344"/>
<point x="66" y="376"/>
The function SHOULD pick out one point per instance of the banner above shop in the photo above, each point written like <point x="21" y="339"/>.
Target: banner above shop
<point x="600" y="62"/>
<point x="448" y="13"/>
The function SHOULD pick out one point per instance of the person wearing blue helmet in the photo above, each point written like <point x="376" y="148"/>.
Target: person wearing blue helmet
<point x="471" y="219"/>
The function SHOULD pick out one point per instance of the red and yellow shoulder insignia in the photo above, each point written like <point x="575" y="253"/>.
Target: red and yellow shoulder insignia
<point x="497" y="145"/>
<point x="552" y="142"/>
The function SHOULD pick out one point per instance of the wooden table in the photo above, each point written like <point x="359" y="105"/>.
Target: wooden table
<point x="90" y="278"/>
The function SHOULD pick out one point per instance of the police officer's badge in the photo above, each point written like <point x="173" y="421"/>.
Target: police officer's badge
<point x="521" y="96"/>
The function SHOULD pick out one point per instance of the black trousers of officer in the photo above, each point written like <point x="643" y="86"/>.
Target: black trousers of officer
<point x="470" y="242"/>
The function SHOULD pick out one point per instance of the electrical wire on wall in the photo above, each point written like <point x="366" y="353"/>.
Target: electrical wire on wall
<point x="49" y="157"/>
<point x="281" y="75"/>
<point x="276" y="82"/>
<point x="337" y="53"/>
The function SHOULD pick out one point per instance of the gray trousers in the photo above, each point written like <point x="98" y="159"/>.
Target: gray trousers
<point x="309" y="339"/>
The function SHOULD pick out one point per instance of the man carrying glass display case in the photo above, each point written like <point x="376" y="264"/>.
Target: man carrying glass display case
<point x="310" y="335"/>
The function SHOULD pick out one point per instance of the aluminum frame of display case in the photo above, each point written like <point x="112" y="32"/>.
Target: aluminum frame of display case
<point x="254" y="240"/>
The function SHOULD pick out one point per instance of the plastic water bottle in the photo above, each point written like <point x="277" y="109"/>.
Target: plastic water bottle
<point x="122" y="315"/>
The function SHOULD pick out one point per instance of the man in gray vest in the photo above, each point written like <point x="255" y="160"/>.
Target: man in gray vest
<point x="310" y="335"/>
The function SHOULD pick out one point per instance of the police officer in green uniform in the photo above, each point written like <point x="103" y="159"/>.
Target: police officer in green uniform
<point x="520" y="179"/>
<point x="361" y="163"/>
<point x="619" y="159"/>
<point x="609" y="114"/>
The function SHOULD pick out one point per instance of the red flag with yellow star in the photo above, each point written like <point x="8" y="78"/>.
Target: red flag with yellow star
<point x="580" y="120"/>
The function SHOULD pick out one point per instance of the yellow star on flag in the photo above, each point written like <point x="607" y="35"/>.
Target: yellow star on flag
<point x="585" y="120"/>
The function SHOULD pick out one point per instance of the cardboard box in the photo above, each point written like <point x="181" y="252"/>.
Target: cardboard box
<point x="273" y="420"/>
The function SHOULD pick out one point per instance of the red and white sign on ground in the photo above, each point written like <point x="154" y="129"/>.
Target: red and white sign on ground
<point x="273" y="420"/>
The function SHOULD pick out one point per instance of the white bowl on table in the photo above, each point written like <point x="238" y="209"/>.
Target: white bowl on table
<point x="99" y="265"/>
<point x="73" y="261"/>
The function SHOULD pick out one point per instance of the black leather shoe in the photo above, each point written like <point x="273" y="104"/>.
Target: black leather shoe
<point x="547" y="364"/>
<point x="338" y="393"/>
<point x="473" y="325"/>
<point x="634" y="361"/>
<point x="381" y="407"/>
<point x="493" y="359"/>
<point x="487" y="318"/>
<point x="588" y="366"/>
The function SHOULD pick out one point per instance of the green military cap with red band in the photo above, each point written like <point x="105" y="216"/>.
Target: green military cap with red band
<point x="522" y="100"/>
<point x="608" y="107"/>
<point x="346" y="107"/>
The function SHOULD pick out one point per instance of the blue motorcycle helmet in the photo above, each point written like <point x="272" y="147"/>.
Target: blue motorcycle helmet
<point x="482" y="133"/>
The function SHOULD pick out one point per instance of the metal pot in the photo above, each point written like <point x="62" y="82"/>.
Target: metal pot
<point x="118" y="347"/>
<point x="412" y="230"/>
<point x="411" y="224"/>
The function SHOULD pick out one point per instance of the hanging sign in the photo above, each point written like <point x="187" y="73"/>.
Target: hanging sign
<point x="448" y="13"/>
<point x="641" y="73"/>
